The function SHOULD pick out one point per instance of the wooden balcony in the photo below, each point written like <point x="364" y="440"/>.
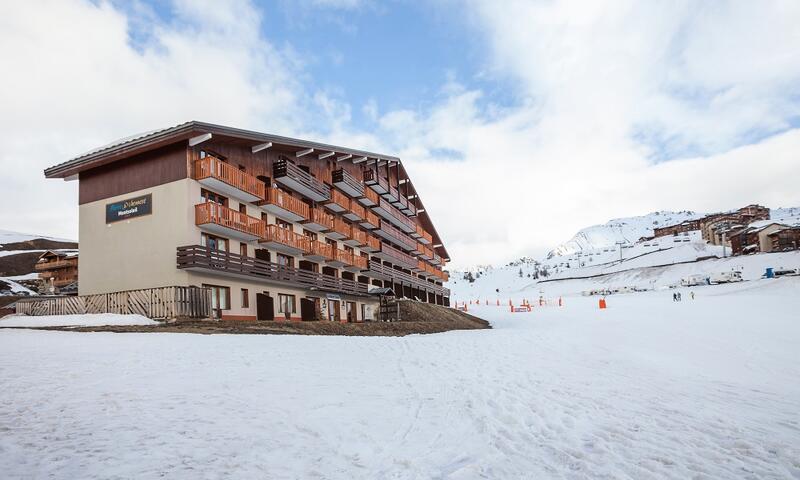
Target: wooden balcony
<point x="318" y="220"/>
<point x="357" y="263"/>
<point x="227" y="222"/>
<point x="340" y="258"/>
<point x="409" y="208"/>
<point x="422" y="236"/>
<point x="198" y="258"/>
<point x="425" y="252"/>
<point x="370" y="221"/>
<point x="292" y="176"/>
<point x="55" y="265"/>
<point x="338" y="203"/>
<point x="376" y="182"/>
<point x="436" y="259"/>
<point x="392" y="195"/>
<point x="371" y="245"/>
<point x="386" y="272"/>
<point x="385" y="210"/>
<point x="341" y="229"/>
<point x="395" y="256"/>
<point x="319" y="251"/>
<point x="224" y="178"/>
<point x="392" y="234"/>
<point x="370" y="198"/>
<point x="356" y="237"/>
<point x="343" y="180"/>
<point x="284" y="206"/>
<point x="355" y="211"/>
<point x="285" y="241"/>
<point x="423" y="269"/>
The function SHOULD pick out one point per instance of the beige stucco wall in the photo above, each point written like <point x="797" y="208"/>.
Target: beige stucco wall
<point x="139" y="252"/>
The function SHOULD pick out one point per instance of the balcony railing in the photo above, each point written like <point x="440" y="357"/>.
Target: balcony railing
<point x="422" y="235"/>
<point x="347" y="183"/>
<point x="392" y="214"/>
<point x="370" y="221"/>
<point x="370" y="198"/>
<point x="425" y="252"/>
<point x="53" y="265"/>
<point x="294" y="177"/>
<point x="392" y="234"/>
<point x="376" y="181"/>
<point x="341" y="229"/>
<point x="284" y="206"/>
<point x="355" y="212"/>
<point x="385" y="272"/>
<point x="371" y="245"/>
<point x="338" y="202"/>
<point x="219" y="175"/>
<point x="285" y="240"/>
<point x="196" y="257"/>
<point x="225" y="221"/>
<point x="393" y="255"/>
<point x="319" y="220"/>
<point x="319" y="251"/>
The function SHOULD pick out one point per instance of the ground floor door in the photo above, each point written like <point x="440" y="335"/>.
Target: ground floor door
<point x="308" y="310"/>
<point x="334" y="313"/>
<point x="352" y="313"/>
<point x="265" y="308"/>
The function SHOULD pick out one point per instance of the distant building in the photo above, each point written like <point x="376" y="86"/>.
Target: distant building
<point x="754" y="239"/>
<point x="57" y="270"/>
<point x="717" y="227"/>
<point x="785" y="239"/>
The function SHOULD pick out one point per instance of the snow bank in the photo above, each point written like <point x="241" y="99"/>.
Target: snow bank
<point x="90" y="320"/>
<point x="645" y="389"/>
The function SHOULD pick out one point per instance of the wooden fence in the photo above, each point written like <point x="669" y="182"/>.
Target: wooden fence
<point x="163" y="303"/>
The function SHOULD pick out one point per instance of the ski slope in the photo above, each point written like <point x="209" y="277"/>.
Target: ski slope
<point x="648" y="388"/>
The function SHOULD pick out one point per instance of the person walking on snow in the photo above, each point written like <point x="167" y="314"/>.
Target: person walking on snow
<point x="691" y="294"/>
<point x="679" y="296"/>
<point x="674" y="297"/>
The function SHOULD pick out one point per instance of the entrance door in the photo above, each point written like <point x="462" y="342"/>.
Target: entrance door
<point x="265" y="308"/>
<point x="307" y="309"/>
<point x="334" y="314"/>
<point x="351" y="311"/>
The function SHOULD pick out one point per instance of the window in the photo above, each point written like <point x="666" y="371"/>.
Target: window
<point x="348" y="249"/>
<point x="241" y="167"/>
<point x="286" y="303"/>
<point x="245" y="298"/>
<point x="332" y="243"/>
<point x="243" y="249"/>
<point x="220" y="297"/>
<point x="283" y="224"/>
<point x="214" y="242"/>
<point x="264" y="217"/>
<point x="285" y="260"/>
<point x="309" y="234"/>
<point x="213" y="197"/>
<point x="243" y="209"/>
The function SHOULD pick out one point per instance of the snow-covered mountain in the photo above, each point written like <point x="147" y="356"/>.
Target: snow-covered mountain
<point x="628" y="230"/>
<point x="7" y="237"/>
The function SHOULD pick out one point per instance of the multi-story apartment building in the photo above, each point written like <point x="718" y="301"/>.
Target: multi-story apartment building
<point x="276" y="227"/>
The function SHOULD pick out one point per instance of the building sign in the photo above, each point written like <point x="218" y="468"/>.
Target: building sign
<point x="130" y="208"/>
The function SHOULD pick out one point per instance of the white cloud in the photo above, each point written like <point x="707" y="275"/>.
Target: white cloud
<point x="592" y="80"/>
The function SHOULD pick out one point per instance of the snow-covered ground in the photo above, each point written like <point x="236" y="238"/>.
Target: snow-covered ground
<point x="14" y="287"/>
<point x="648" y="388"/>
<point x="91" y="320"/>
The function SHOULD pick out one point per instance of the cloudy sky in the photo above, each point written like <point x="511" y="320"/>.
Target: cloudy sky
<point x="520" y="122"/>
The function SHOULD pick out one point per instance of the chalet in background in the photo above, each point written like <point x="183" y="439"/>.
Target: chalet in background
<point x="275" y="227"/>
<point x="58" y="272"/>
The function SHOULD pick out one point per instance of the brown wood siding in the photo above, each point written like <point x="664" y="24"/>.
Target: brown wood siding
<point x="150" y="169"/>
